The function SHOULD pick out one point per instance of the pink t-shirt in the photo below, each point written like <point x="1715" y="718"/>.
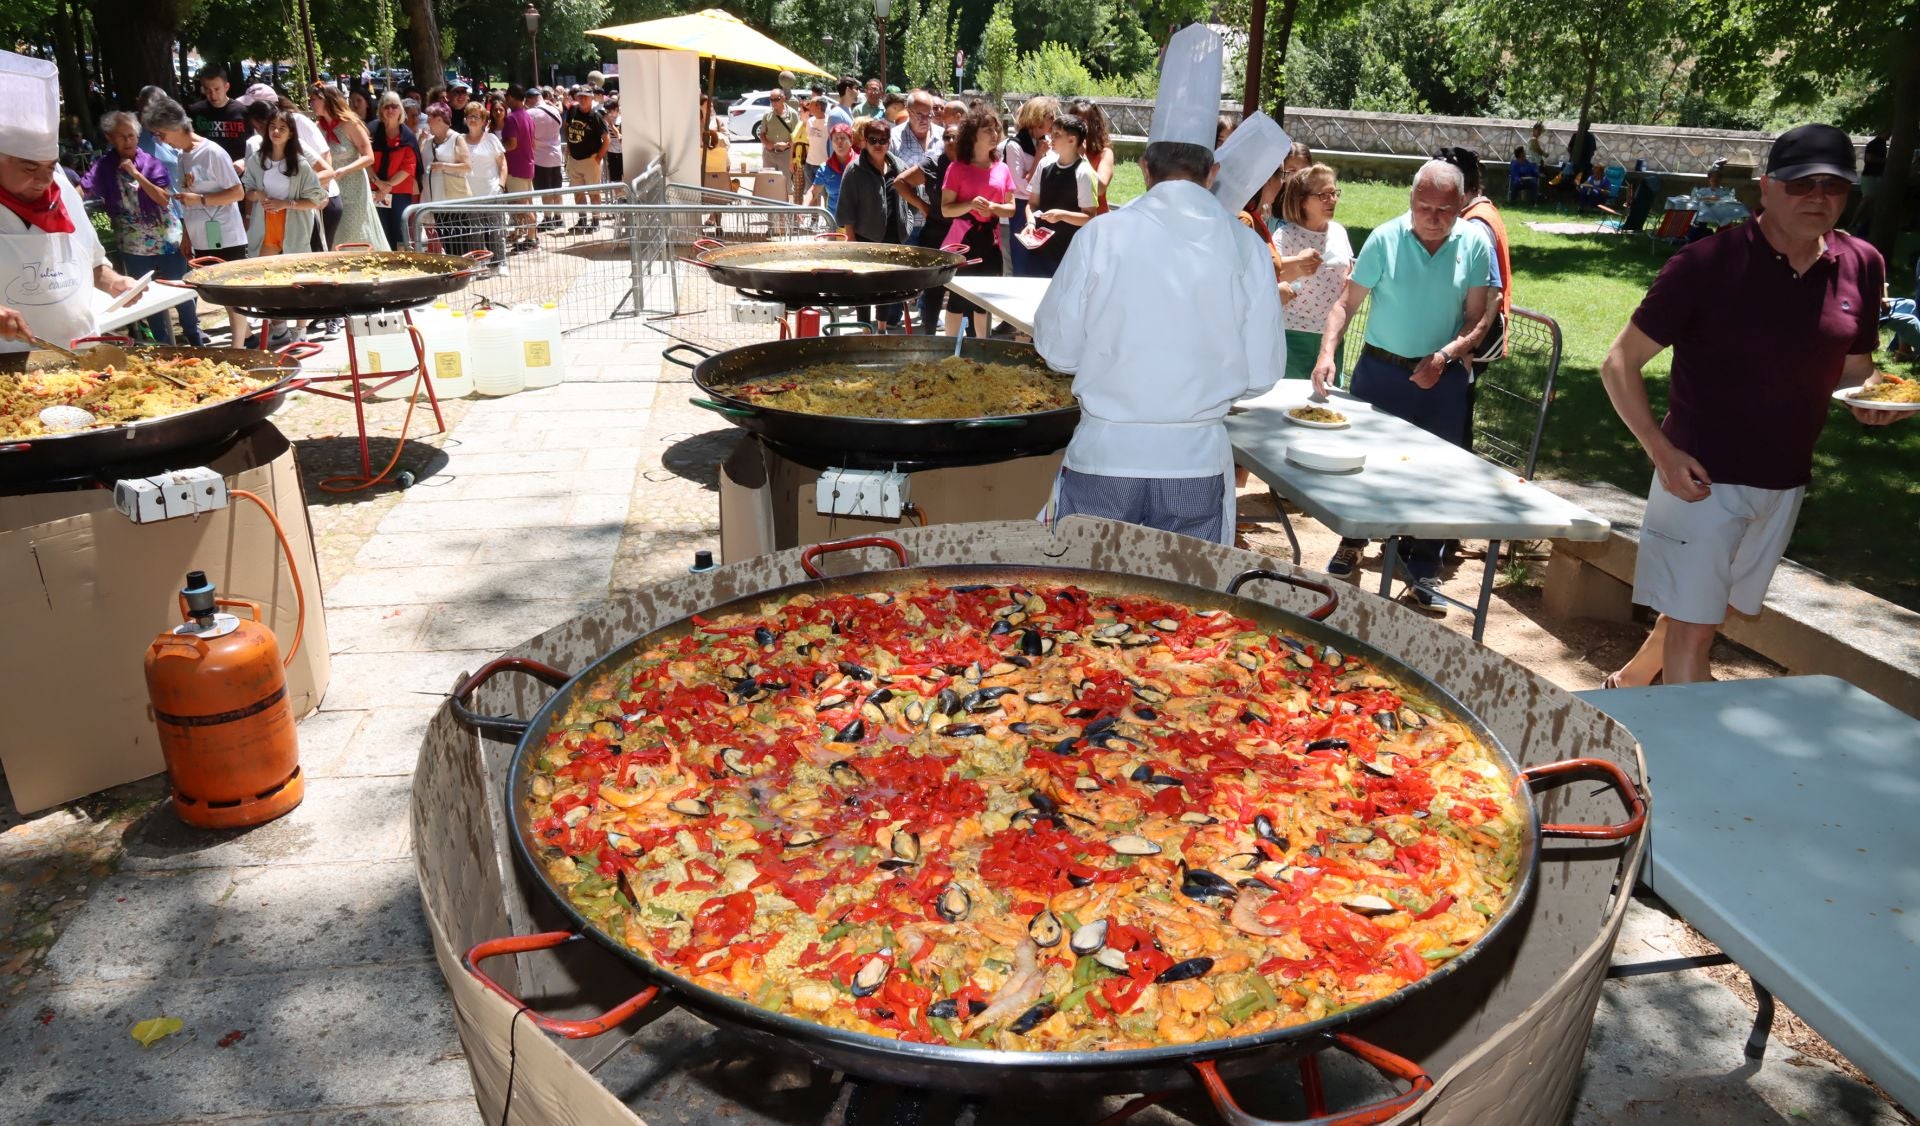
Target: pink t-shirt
<point x="993" y="183"/>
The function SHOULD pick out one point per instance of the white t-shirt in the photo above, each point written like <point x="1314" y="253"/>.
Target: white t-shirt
<point x="818" y="147"/>
<point x="207" y="168"/>
<point x="1314" y="295"/>
<point x="546" y="135"/>
<point x="485" y="155"/>
<point x="313" y="146"/>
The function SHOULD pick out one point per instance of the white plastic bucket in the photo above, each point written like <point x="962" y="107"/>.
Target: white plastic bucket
<point x="540" y="344"/>
<point x="448" y="362"/>
<point x="493" y="346"/>
<point x="381" y="344"/>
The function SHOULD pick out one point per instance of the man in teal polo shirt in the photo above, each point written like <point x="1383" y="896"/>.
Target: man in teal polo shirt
<point x="1428" y="271"/>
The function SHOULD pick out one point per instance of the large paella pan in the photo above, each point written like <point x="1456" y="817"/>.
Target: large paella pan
<point x="807" y="272"/>
<point x="336" y="282"/>
<point x="889" y="1010"/>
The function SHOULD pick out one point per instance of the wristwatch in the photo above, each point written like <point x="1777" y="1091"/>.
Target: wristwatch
<point x="1444" y="358"/>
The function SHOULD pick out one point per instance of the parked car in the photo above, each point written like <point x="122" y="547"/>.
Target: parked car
<point x="743" y="116"/>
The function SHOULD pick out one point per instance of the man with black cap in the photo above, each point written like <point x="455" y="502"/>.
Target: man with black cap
<point x="1765" y="320"/>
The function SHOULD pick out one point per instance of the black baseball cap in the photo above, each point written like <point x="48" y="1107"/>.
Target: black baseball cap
<point x="1812" y="150"/>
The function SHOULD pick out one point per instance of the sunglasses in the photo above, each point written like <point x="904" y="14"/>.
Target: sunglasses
<point x="1829" y="186"/>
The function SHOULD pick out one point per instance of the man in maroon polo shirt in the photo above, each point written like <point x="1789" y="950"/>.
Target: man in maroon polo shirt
<point x="1765" y="320"/>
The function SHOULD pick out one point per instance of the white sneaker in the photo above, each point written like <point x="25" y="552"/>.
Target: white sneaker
<point x="501" y="270"/>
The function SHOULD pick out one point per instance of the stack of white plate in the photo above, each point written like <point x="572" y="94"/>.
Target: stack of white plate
<point x="1328" y="457"/>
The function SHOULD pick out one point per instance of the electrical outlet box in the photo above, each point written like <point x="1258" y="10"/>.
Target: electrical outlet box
<point x="184" y="492"/>
<point x="878" y="493"/>
<point x="377" y="324"/>
<point x="750" y="312"/>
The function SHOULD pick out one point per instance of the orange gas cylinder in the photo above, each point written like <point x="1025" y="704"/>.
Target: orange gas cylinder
<point x="219" y="698"/>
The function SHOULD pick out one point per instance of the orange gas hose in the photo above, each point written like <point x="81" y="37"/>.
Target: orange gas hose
<point x="328" y="484"/>
<point x="300" y="595"/>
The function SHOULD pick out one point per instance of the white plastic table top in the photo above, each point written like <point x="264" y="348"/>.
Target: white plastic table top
<point x="156" y="298"/>
<point x="1013" y="300"/>
<point x="1413" y="484"/>
<point x="1784" y="829"/>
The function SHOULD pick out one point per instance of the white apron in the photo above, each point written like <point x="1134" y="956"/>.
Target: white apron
<point x="48" y="279"/>
<point x="1229" y="505"/>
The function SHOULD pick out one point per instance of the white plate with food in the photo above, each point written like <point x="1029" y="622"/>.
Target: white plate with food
<point x="1316" y="417"/>
<point x="1906" y="390"/>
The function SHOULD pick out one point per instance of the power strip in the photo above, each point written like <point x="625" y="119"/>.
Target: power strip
<point x="184" y="492"/>
<point x="879" y="493"/>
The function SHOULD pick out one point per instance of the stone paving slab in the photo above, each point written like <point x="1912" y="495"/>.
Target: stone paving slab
<point x="368" y="914"/>
<point x="524" y="441"/>
<point x="405" y="549"/>
<point x="313" y="1040"/>
<point x="475" y="515"/>
<point x="370" y="680"/>
<point x="473" y="462"/>
<point x="386" y="742"/>
<point x="586" y="542"/>
<point x="376" y="629"/>
<point x="470" y="583"/>
<point x="342" y="820"/>
<point x="501" y="626"/>
<point x="140" y="926"/>
<point x="503" y="486"/>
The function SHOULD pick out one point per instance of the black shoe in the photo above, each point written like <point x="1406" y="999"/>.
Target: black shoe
<point x="253" y="342"/>
<point x="1344" y="560"/>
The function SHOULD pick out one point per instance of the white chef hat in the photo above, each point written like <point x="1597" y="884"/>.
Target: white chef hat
<point x="1248" y="157"/>
<point x="29" y="107"/>
<point x="1187" y="109"/>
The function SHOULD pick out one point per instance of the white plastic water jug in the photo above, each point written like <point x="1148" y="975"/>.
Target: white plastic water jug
<point x="382" y="344"/>
<point x="448" y="363"/>
<point x="493" y="346"/>
<point x="540" y="344"/>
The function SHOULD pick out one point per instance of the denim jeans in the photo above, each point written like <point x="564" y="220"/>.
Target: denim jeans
<point x="392" y="220"/>
<point x="1903" y="317"/>
<point x="171" y="266"/>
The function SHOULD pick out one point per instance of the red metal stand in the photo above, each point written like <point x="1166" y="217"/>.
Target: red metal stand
<point x="385" y="379"/>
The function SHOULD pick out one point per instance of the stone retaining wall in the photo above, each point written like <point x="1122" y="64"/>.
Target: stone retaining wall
<point x="1664" y="149"/>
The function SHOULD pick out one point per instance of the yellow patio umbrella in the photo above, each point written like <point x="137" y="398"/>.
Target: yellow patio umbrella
<point x="712" y="34"/>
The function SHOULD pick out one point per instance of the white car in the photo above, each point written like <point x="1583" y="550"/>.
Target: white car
<point x="744" y="115"/>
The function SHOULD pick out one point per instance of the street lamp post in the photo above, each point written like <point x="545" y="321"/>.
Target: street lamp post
<point x="532" y="16"/>
<point x="880" y="10"/>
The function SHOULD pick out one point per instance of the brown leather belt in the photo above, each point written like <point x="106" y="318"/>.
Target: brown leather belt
<point x="1394" y="358"/>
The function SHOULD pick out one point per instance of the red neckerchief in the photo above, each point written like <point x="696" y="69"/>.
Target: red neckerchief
<point x="48" y="213"/>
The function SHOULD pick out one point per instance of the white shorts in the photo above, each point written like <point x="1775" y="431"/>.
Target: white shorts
<point x="1699" y="557"/>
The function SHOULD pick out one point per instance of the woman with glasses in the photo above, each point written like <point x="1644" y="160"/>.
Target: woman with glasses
<point x="1316" y="256"/>
<point x="396" y="167"/>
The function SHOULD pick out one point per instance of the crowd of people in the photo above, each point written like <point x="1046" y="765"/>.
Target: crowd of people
<point x="256" y="174"/>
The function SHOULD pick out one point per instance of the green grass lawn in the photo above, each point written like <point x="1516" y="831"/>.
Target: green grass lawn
<point x="1862" y="512"/>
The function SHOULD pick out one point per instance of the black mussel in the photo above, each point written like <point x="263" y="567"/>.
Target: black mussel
<point x="874" y="714"/>
<point x="1042" y="802"/>
<point x="969" y="588"/>
<point x="947" y="702"/>
<point x="973" y="673"/>
<point x="1168" y="624"/>
<point x="1314" y="851"/>
<point x="1263" y="828"/>
<point x="1332" y="656"/>
<point x="1327" y="745"/>
<point x="1081" y="713"/>
<point x="954" y="903"/>
<point x="1065" y="746"/>
<point x="804" y="837"/>
<point x="1198" y="883"/>
<point x="1089" y="938"/>
<point x="1002" y="668"/>
<point x="1028" y="1021"/>
<point x="1112" y="629"/>
<point x="1386" y="721"/>
<point x="1100" y="727"/>
<point x="804" y="649"/>
<point x="1381" y="764"/>
<point x="1042" y="698"/>
<point x="1195" y="817"/>
<point x="893" y="865"/>
<point x="763" y="637"/>
<point x="820" y="677"/>
<point x="735" y="759"/>
<point x="1018" y="661"/>
<point x="1079" y="881"/>
<point x="1412" y="720"/>
<point x="1251" y="714"/>
<point x="747" y="689"/>
<point x="1115" y="960"/>
<point x="1145" y="714"/>
<point x="1185" y="971"/>
<point x="851" y="733"/>
<point x="857" y="672"/>
<point x="1021" y="727"/>
<point x="916" y="712"/>
<point x="881" y="696"/>
<point x="1140" y="773"/>
<point x="1021" y="818"/>
<point x="1245" y="861"/>
<point x="1164" y="780"/>
<point x="830" y="701"/>
<point x="1150" y="694"/>
<point x="906" y="845"/>
<point x="872" y="974"/>
<point x="690" y="807"/>
<point x="1247" y="659"/>
<point x="1368" y="905"/>
<point x="962" y="730"/>
<point x="946" y="1008"/>
<point x="1132" y="844"/>
<point x="1045" y="929"/>
<point x="1086" y="784"/>
<point x="983" y="699"/>
<point x="1031" y="643"/>
<point x="1000" y="629"/>
<point x="845" y="773"/>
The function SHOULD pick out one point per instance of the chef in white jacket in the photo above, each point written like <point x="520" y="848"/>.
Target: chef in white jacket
<point x="1165" y="313"/>
<point x="50" y="257"/>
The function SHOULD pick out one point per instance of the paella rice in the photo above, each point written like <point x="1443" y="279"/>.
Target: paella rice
<point x="1024" y="818"/>
<point x="354" y="268"/>
<point x="118" y="396"/>
<point x="1892" y="389"/>
<point x="952" y="387"/>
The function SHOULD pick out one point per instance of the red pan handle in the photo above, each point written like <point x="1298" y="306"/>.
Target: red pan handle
<point x="286" y="388"/>
<point x="1636" y="803"/>
<point x="1319" y="613"/>
<point x="478" y="255"/>
<point x="508" y="726"/>
<point x="831" y="236"/>
<point x="205" y="260"/>
<point x="708" y="244"/>
<point x="353" y="246"/>
<point x="695" y="262"/>
<point x="104" y="338"/>
<point x="299" y="350"/>
<point x="817" y="550"/>
<point x="170" y="281"/>
<point x="546" y="940"/>
<point x="956" y="247"/>
<point x="1387" y="1063"/>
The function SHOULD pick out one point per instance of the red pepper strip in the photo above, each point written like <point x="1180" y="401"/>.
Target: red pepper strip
<point x="1439" y="905"/>
<point x="1411" y="964"/>
<point x="723" y="631"/>
<point x="1121" y="992"/>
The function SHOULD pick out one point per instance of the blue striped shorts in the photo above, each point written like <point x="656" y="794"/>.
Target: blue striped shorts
<point x="1187" y="506"/>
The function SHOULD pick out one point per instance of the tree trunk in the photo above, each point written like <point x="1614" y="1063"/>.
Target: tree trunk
<point x="1888" y="218"/>
<point x="423" y="43"/>
<point x="139" y="50"/>
<point x="67" y="56"/>
<point x="1256" y="51"/>
<point x="1277" y="51"/>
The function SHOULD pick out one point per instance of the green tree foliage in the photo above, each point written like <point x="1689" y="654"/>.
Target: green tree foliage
<point x="1390" y="56"/>
<point x="927" y="59"/>
<point x="999" y="51"/>
<point x="1055" y="68"/>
